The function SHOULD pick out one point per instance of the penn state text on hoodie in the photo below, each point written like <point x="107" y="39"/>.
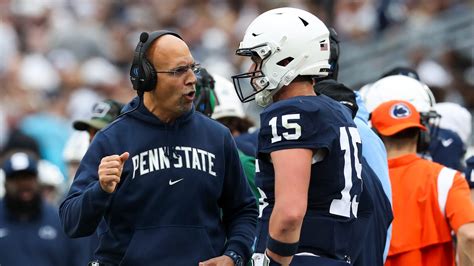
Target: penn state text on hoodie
<point x="183" y="197"/>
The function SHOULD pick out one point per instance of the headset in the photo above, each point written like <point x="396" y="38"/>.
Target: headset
<point x="142" y="73"/>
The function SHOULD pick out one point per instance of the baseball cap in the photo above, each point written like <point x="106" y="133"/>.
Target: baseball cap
<point x="394" y="116"/>
<point x="103" y="113"/>
<point x="19" y="162"/>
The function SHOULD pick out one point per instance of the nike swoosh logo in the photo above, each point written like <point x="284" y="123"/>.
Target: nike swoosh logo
<point x="174" y="182"/>
<point x="446" y="142"/>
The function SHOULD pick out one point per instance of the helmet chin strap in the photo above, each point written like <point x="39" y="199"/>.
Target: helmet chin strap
<point x="265" y="97"/>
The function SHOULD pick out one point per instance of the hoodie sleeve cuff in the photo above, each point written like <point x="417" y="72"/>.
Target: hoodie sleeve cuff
<point x="98" y="198"/>
<point x="240" y="249"/>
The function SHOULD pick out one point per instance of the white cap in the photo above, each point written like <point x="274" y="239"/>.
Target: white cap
<point x="228" y="104"/>
<point x="76" y="146"/>
<point x="49" y="174"/>
<point x="37" y="73"/>
<point x="99" y="71"/>
<point x="455" y="118"/>
<point x="81" y="102"/>
<point x="434" y="74"/>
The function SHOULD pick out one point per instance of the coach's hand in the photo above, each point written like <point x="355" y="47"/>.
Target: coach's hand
<point x="110" y="170"/>
<point x="218" y="261"/>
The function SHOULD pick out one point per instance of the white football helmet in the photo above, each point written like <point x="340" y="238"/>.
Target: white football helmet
<point x="227" y="104"/>
<point x="455" y="118"/>
<point x="284" y="43"/>
<point x="399" y="87"/>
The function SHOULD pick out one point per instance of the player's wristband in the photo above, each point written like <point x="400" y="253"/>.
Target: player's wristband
<point x="282" y="249"/>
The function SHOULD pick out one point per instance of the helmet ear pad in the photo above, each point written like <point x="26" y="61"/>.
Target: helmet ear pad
<point x="149" y="72"/>
<point x="334" y="53"/>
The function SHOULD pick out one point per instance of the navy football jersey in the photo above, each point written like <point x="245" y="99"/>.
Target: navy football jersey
<point x="373" y="220"/>
<point x="322" y="125"/>
<point x="447" y="148"/>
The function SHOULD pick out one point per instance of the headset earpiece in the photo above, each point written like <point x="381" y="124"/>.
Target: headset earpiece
<point x="142" y="73"/>
<point x="151" y="78"/>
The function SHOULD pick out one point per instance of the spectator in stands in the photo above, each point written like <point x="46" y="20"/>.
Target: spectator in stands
<point x="30" y="232"/>
<point x="103" y="113"/>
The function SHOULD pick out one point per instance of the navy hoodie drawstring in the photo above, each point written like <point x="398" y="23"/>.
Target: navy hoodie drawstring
<point x="170" y="148"/>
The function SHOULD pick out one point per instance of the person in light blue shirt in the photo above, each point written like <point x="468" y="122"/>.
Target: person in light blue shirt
<point x="375" y="154"/>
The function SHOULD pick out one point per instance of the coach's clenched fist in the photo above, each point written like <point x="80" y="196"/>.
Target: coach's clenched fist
<point x="110" y="170"/>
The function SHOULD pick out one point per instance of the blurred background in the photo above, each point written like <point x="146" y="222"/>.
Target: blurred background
<point x="59" y="57"/>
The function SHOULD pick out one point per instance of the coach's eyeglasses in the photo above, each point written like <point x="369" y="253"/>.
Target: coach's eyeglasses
<point x="181" y="70"/>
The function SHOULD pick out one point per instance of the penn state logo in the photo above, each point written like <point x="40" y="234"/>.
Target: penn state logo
<point x="135" y="71"/>
<point x="400" y="110"/>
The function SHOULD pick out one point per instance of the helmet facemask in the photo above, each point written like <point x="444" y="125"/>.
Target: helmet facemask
<point x="258" y="81"/>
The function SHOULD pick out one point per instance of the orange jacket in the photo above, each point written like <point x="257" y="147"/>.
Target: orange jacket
<point x="429" y="201"/>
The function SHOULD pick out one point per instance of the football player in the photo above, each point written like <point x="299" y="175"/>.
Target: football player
<point x="309" y="150"/>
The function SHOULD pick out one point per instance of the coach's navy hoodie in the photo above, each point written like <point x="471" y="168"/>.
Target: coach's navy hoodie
<point x="182" y="198"/>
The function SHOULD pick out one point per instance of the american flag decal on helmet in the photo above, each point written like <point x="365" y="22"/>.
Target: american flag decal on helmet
<point x="323" y="46"/>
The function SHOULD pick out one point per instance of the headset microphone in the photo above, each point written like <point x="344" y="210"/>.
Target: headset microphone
<point x="144" y="37"/>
